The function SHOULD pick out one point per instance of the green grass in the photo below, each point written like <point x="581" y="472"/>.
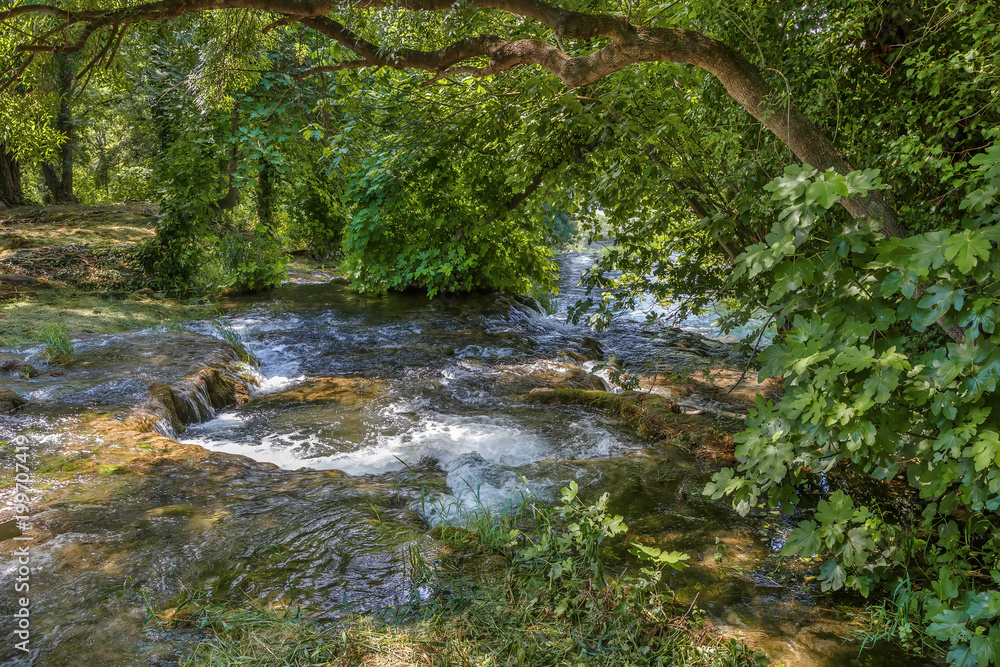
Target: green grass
<point x="58" y="348"/>
<point x="545" y="298"/>
<point x="26" y="320"/>
<point x="236" y="339"/>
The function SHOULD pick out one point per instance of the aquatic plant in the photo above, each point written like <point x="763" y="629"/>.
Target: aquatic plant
<point x="58" y="348"/>
<point x="545" y="297"/>
<point x="227" y="332"/>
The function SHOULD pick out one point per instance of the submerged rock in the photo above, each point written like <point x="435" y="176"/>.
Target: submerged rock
<point x="17" y="367"/>
<point x="654" y="416"/>
<point x="357" y="391"/>
<point x="9" y="401"/>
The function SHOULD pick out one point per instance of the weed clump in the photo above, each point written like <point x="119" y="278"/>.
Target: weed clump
<point x="59" y="348"/>
<point x="227" y="332"/>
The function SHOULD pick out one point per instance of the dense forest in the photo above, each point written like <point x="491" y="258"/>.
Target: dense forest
<point x="834" y="165"/>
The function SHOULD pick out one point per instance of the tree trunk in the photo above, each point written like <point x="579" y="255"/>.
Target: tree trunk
<point x="265" y="195"/>
<point x="11" y="192"/>
<point x="232" y="198"/>
<point x="59" y="178"/>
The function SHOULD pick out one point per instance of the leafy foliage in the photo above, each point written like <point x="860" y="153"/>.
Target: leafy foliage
<point x="406" y="233"/>
<point x="873" y="384"/>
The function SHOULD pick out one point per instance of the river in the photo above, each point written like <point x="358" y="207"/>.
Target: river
<point x="381" y="415"/>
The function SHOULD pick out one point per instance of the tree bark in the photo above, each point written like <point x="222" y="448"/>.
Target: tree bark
<point x="265" y="194"/>
<point x="11" y="191"/>
<point x="59" y="177"/>
<point x="232" y="198"/>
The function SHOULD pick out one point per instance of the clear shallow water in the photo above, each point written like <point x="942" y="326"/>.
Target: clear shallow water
<point x="450" y="373"/>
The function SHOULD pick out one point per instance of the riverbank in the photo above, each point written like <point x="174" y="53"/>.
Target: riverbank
<point x="76" y="268"/>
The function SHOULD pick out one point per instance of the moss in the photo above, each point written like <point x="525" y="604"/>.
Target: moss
<point x="654" y="416"/>
<point x="171" y="511"/>
<point x="74" y="462"/>
<point x="111" y="470"/>
<point x="351" y="391"/>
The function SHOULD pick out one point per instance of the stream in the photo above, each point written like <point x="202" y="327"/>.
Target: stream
<point x="373" y="417"/>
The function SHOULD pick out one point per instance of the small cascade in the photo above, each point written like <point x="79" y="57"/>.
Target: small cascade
<point x="165" y="428"/>
<point x="424" y="407"/>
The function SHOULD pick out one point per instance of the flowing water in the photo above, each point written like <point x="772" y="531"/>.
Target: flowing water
<point x="380" y="415"/>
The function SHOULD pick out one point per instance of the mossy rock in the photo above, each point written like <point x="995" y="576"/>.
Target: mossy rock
<point x="17" y="367"/>
<point x="654" y="416"/>
<point x="9" y="401"/>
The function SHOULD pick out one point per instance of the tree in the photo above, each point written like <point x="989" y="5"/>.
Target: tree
<point x="11" y="192"/>
<point x="62" y="28"/>
<point x="59" y="176"/>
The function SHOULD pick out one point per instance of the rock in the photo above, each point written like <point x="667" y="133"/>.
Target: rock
<point x="144" y="293"/>
<point x="592" y="347"/>
<point x="9" y="529"/>
<point x="9" y="401"/>
<point x="17" y="367"/>
<point x="340" y="280"/>
<point x="353" y="391"/>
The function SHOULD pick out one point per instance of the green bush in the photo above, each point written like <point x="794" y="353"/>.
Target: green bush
<point x="406" y="232"/>
<point x="252" y="259"/>
<point x="317" y="218"/>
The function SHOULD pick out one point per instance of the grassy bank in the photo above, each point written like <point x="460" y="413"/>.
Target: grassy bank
<point x="26" y="318"/>
<point x="77" y="270"/>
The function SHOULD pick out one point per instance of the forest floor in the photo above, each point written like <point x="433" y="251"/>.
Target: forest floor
<point x="77" y="267"/>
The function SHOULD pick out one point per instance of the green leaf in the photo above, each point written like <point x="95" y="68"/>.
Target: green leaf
<point x="986" y="451"/>
<point x="826" y="190"/>
<point x="905" y="282"/>
<point x="792" y="184"/>
<point x="880" y="387"/>
<point x="938" y="301"/>
<point x="925" y="252"/>
<point x="949" y="625"/>
<point x="831" y="576"/>
<point x="856" y="546"/>
<point x="838" y="508"/>
<point x="803" y="540"/>
<point x="966" y="249"/>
